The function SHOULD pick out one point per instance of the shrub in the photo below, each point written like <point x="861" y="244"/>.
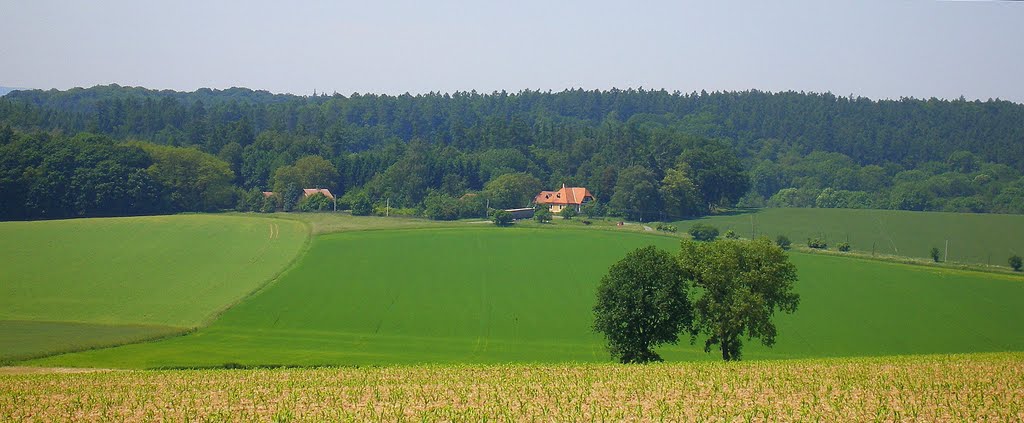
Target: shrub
<point x="251" y="200"/>
<point x="587" y="222"/>
<point x="317" y="202"/>
<point x="817" y="243"/>
<point x="361" y="205"/>
<point x="501" y="217"/>
<point x="783" y="242"/>
<point x="472" y="206"/>
<point x="568" y="213"/>
<point x="270" y="204"/>
<point x="934" y="254"/>
<point x="542" y="214"/>
<point x="1015" y="262"/>
<point x="731" y="234"/>
<point x="666" y="228"/>
<point x="592" y="209"/>
<point x="703" y="232"/>
<point x="383" y="210"/>
<point x="440" y="206"/>
<point x="843" y="246"/>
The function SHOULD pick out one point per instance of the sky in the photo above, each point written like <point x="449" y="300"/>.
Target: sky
<point x="875" y="49"/>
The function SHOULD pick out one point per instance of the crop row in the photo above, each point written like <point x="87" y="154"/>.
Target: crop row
<point x="978" y="387"/>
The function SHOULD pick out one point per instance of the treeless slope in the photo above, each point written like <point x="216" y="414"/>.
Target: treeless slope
<point x="159" y="272"/>
<point x="973" y="237"/>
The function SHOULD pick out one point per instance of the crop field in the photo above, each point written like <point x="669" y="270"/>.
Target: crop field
<point x="501" y="295"/>
<point x="82" y="283"/>
<point x="973" y="238"/>
<point x="974" y="387"/>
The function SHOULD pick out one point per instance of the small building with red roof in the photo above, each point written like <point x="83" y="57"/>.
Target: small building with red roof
<point x="314" y="191"/>
<point x="574" y="197"/>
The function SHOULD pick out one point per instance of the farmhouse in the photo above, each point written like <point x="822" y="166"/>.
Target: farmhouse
<point x="305" y="193"/>
<point x="314" y="191"/>
<point x="574" y="197"/>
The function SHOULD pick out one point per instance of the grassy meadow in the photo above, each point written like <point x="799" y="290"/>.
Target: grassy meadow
<point x="973" y="237"/>
<point x="499" y="295"/>
<point x="973" y="387"/>
<point x="81" y="283"/>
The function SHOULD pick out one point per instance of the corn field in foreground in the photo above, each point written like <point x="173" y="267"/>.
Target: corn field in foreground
<point x="974" y="387"/>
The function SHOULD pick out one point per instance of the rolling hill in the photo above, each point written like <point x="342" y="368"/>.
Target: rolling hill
<point x="84" y="283"/>
<point x="973" y="238"/>
<point x="495" y="295"/>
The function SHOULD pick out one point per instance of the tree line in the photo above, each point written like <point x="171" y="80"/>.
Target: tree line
<point x="650" y="155"/>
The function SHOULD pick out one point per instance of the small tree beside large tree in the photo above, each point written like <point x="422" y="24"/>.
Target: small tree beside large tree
<point x="743" y="284"/>
<point x="642" y="303"/>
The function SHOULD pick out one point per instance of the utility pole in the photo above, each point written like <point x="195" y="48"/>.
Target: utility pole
<point x="387" y="207"/>
<point x="487" y="208"/>
<point x="947" y="252"/>
<point x="753" y="232"/>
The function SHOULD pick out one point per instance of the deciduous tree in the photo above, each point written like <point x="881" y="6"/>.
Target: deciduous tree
<point x="512" y="190"/>
<point x="743" y="284"/>
<point x="1015" y="262"/>
<point x="642" y="303"/>
<point x="636" y="194"/>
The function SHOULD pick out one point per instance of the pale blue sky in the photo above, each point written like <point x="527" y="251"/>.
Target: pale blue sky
<point x="878" y="49"/>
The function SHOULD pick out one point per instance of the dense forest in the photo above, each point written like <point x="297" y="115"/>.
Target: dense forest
<point x="650" y="155"/>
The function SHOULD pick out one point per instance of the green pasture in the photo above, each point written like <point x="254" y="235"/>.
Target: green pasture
<point x="487" y="295"/>
<point x="973" y="237"/>
<point x="73" y="284"/>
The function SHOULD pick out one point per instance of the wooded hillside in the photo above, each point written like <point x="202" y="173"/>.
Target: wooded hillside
<point x="644" y="154"/>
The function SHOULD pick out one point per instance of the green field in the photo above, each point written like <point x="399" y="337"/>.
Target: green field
<point x="973" y="237"/>
<point x="487" y="295"/>
<point x="82" y="283"/>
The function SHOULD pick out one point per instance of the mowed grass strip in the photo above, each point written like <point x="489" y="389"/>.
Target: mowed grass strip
<point x="976" y="387"/>
<point x="497" y="295"/>
<point x="141" y="272"/>
<point x="973" y="237"/>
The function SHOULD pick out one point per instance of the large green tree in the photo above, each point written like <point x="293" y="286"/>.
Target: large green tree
<point x="197" y="181"/>
<point x="742" y="285"/>
<point x="307" y="172"/>
<point x="642" y="303"/>
<point x="406" y="181"/>
<point x="512" y="190"/>
<point x="680" y="197"/>
<point x="636" y="194"/>
<point x="717" y="172"/>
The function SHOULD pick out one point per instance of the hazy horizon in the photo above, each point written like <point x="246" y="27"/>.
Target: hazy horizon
<point x="878" y="50"/>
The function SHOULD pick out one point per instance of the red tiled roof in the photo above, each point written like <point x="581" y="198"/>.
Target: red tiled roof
<point x="566" y="195"/>
<point x="313" y="191"/>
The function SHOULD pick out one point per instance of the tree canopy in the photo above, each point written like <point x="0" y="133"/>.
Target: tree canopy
<point x="649" y="155"/>
<point x="742" y="284"/>
<point x="197" y="181"/>
<point x="642" y="303"/>
<point x="512" y="190"/>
